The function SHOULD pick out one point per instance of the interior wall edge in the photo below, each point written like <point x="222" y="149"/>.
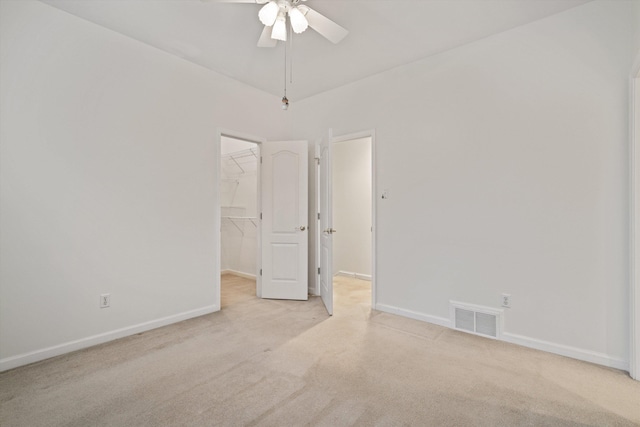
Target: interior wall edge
<point x="634" y="221"/>
<point x="60" y="349"/>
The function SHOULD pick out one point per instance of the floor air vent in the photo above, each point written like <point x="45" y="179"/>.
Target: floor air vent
<point x="476" y="319"/>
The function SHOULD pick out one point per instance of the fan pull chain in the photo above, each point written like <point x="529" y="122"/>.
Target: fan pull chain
<point x="291" y="57"/>
<point x="285" y="101"/>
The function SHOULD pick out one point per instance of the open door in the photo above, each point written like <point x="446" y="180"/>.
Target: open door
<point x="284" y="220"/>
<point x="326" y="224"/>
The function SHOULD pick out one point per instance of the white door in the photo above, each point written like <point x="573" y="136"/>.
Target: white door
<point x="326" y="224"/>
<point x="284" y="220"/>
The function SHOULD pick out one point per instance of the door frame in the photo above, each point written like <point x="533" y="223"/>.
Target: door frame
<point x="324" y="220"/>
<point x="634" y="223"/>
<point x="217" y="142"/>
<point x="370" y="133"/>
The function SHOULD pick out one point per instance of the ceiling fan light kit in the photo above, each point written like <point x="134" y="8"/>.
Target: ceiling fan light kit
<point x="273" y="15"/>
<point x="298" y="21"/>
<point x="269" y="13"/>
<point x="279" y="31"/>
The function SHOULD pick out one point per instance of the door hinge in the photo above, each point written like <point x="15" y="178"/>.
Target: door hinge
<point x="318" y="270"/>
<point x="260" y="159"/>
<point x="318" y="215"/>
<point x="261" y="272"/>
<point x="260" y="215"/>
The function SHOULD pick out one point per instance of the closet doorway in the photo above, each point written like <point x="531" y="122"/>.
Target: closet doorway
<point x="346" y="219"/>
<point x="353" y="221"/>
<point x="352" y="217"/>
<point x="239" y="209"/>
<point x="263" y="238"/>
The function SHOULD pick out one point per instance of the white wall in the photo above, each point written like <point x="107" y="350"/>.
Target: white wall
<point x="506" y="161"/>
<point x="107" y="181"/>
<point x="352" y="207"/>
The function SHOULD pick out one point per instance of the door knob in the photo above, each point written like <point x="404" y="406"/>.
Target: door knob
<point x="330" y="231"/>
<point x="302" y="228"/>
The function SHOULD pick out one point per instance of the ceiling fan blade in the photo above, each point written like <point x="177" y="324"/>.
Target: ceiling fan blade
<point x="265" y="39"/>
<point x="323" y="25"/>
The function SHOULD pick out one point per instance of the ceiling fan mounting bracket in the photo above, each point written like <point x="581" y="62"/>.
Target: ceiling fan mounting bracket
<point x="285" y="5"/>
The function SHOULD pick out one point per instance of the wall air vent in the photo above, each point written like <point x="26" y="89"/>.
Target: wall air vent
<point x="476" y="319"/>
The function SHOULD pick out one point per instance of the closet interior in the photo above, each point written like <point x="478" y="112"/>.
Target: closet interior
<point x="239" y="207"/>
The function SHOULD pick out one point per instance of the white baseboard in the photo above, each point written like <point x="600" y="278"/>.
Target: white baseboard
<point x="354" y="275"/>
<point x="568" y="351"/>
<point x="437" y="320"/>
<point x="238" y="273"/>
<point x="57" y="350"/>
<point x="562" y="350"/>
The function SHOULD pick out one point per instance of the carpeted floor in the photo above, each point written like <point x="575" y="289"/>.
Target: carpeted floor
<point x="286" y="363"/>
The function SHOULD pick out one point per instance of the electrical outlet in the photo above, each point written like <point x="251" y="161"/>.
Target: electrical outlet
<point x="506" y="300"/>
<point x="105" y="300"/>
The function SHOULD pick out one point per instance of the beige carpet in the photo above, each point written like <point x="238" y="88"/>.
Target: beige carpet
<point x="285" y="363"/>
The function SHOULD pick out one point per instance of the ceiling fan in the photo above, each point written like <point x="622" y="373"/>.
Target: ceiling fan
<point x="274" y="15"/>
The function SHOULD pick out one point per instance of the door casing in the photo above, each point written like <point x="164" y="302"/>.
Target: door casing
<point x="325" y="220"/>
<point x="220" y="133"/>
<point x="634" y="222"/>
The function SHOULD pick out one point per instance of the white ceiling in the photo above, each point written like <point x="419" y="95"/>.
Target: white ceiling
<point x="383" y="34"/>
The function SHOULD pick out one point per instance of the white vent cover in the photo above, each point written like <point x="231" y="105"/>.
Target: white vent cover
<point x="476" y="319"/>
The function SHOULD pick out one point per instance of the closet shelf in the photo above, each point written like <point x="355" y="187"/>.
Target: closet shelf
<point x="238" y="156"/>
<point x="240" y="219"/>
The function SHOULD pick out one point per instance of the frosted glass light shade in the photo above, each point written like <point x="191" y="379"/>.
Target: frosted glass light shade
<point x="298" y="21"/>
<point x="280" y="29"/>
<point x="268" y="13"/>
